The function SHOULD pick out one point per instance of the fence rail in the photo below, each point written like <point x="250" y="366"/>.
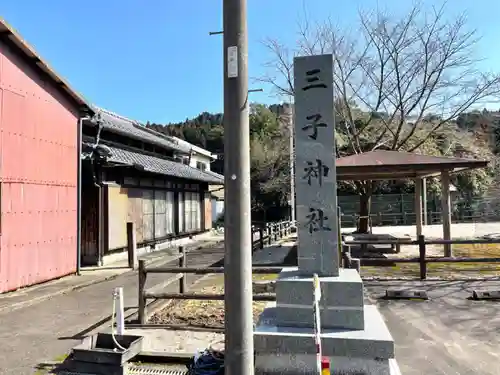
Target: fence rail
<point x="268" y="234"/>
<point x="422" y="259"/>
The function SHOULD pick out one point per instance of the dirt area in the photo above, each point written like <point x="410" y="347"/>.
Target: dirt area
<point x="204" y="314"/>
<point x="448" y="334"/>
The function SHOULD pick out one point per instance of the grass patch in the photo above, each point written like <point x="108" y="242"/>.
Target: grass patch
<point x="434" y="270"/>
<point x="48" y="368"/>
<point x="484" y="250"/>
<point x="265" y="277"/>
<point x="446" y="269"/>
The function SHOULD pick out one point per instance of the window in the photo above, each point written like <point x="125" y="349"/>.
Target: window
<point x="148" y="206"/>
<point x="181" y="213"/>
<point x="160" y="224"/>
<point x="158" y="214"/>
<point x="201" y="165"/>
<point x="198" y="211"/>
<point x="187" y="212"/>
<point x="169" y="212"/>
<point x="192" y="212"/>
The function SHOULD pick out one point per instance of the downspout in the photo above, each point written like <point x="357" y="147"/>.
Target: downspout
<point x="79" y="197"/>
<point x="98" y="184"/>
<point x="79" y="189"/>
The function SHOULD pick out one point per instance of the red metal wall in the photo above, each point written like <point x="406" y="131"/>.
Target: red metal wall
<point x="38" y="177"/>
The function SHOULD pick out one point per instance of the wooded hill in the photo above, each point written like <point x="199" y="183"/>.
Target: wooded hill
<point x="474" y="134"/>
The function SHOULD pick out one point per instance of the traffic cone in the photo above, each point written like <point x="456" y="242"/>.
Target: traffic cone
<point x="325" y="366"/>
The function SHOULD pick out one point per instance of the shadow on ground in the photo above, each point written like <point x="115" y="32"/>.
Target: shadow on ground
<point x="449" y="333"/>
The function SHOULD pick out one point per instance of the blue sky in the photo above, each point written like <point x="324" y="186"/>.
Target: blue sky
<point x="158" y="63"/>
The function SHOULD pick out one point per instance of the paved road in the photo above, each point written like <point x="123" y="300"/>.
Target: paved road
<point x="31" y="336"/>
<point x="446" y="335"/>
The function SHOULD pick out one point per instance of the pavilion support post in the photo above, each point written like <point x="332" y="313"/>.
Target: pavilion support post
<point x="424" y="199"/>
<point x="418" y="205"/>
<point x="445" y="210"/>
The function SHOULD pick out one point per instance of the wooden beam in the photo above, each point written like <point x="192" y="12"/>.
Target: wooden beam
<point x="424" y="199"/>
<point x="446" y="210"/>
<point x="418" y="205"/>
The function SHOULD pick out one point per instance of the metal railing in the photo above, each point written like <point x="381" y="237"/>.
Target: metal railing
<point x="404" y="218"/>
<point x="268" y="234"/>
<point x="423" y="260"/>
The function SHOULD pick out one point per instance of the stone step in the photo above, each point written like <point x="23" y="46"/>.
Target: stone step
<point x="343" y="291"/>
<point x="331" y="317"/>
<point x="373" y="343"/>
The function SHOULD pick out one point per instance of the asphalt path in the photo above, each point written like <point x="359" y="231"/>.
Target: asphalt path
<point x="448" y="334"/>
<point x="44" y="332"/>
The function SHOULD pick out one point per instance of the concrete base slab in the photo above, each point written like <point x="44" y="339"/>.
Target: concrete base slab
<point x="374" y="341"/>
<point x="79" y="367"/>
<point x="305" y="364"/>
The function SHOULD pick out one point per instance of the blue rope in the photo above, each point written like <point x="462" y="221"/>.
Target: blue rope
<point x="208" y="363"/>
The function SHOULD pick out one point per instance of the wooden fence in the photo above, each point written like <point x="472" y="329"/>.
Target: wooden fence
<point x="422" y="259"/>
<point x="268" y="234"/>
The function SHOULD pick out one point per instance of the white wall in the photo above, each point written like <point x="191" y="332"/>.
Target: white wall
<point x="201" y="158"/>
<point x="217" y="208"/>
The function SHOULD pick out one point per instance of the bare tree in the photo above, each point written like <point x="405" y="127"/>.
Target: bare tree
<point x="397" y="81"/>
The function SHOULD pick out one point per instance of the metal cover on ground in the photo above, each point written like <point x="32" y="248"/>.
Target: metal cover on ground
<point x="406" y="294"/>
<point x="134" y="369"/>
<point x="141" y="370"/>
<point x="485" y="294"/>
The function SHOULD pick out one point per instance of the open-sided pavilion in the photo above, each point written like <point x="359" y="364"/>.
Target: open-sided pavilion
<point x="397" y="165"/>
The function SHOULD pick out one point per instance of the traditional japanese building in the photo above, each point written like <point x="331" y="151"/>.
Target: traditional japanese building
<point x="134" y="174"/>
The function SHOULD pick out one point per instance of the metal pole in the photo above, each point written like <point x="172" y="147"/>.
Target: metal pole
<point x="292" y="165"/>
<point x="237" y="234"/>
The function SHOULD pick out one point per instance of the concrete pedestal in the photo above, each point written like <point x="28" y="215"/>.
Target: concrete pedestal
<point x="341" y="303"/>
<point x="354" y="336"/>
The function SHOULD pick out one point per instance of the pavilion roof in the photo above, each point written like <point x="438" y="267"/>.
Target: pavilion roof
<point x="396" y="165"/>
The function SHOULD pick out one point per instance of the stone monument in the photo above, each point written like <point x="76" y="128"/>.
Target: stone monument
<point x="353" y="335"/>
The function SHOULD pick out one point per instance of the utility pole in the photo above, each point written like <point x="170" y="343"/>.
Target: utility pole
<point x="239" y="350"/>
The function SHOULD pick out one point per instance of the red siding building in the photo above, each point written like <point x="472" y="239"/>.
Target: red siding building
<point x="39" y="125"/>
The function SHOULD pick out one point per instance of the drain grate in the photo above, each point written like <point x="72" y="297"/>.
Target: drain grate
<point x="155" y="370"/>
<point x="141" y="370"/>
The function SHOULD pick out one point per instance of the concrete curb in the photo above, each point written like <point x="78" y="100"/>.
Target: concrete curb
<point x="68" y="289"/>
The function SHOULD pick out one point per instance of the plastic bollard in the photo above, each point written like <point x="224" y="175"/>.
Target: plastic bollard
<point x="325" y="366"/>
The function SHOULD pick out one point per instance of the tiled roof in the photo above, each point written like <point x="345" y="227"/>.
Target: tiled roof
<point x="133" y="129"/>
<point x="161" y="166"/>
